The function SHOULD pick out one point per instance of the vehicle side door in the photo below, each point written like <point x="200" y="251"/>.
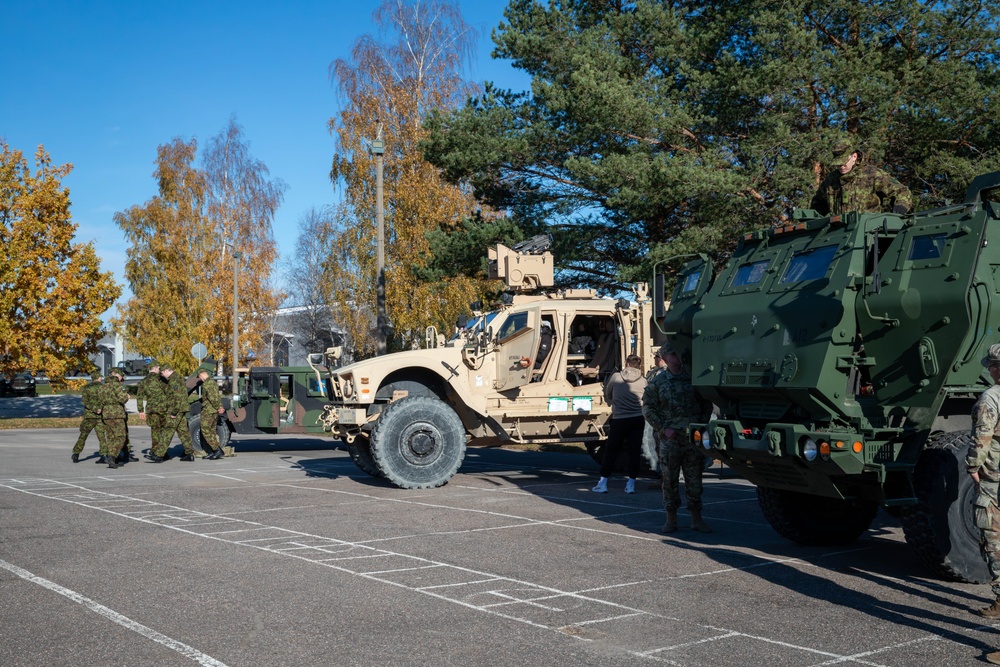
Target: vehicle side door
<point x="515" y="344"/>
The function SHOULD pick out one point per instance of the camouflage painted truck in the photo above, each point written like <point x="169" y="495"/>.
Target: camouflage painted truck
<point x="844" y="355"/>
<point x="268" y="400"/>
<point x="407" y="416"/>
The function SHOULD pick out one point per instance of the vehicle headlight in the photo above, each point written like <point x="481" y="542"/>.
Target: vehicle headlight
<point x="348" y="387"/>
<point x="809" y="449"/>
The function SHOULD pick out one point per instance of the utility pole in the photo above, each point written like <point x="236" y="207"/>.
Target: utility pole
<point x="377" y="148"/>
<point x="236" y="317"/>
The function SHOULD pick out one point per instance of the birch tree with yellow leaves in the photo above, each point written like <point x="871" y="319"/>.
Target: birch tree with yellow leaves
<point x="390" y="85"/>
<point x="52" y="289"/>
<point x="180" y="258"/>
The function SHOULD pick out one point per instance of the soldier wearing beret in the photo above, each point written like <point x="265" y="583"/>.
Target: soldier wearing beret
<point x="855" y="185"/>
<point x="983" y="463"/>
<point x="91" y="418"/>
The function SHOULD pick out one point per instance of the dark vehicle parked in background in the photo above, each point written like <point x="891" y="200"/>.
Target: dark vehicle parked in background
<point x="20" y="384"/>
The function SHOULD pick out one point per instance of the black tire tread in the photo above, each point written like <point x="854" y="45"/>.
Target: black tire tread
<point x="381" y="447"/>
<point x="788" y="513"/>
<point x="918" y="520"/>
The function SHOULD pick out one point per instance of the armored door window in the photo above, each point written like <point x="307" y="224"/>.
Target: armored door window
<point x="515" y="323"/>
<point x="691" y="282"/>
<point x="750" y="274"/>
<point x="930" y="246"/>
<point x="809" y="264"/>
<point x="261" y="387"/>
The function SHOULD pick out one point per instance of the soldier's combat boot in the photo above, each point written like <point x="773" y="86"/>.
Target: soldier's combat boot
<point x="697" y="523"/>
<point x="76" y="457"/>
<point x="671" y="525"/>
<point x="101" y="459"/>
<point x="188" y="457"/>
<point x="993" y="611"/>
<point x="993" y="658"/>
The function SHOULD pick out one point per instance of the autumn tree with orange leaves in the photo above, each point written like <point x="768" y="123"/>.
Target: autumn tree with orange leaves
<point x="392" y="85"/>
<point x="52" y="289"/>
<point x="180" y="258"/>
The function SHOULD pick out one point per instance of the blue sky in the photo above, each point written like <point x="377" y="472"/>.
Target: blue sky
<point x="101" y="84"/>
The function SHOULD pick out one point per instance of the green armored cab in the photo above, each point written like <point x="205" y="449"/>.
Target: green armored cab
<point x="843" y="354"/>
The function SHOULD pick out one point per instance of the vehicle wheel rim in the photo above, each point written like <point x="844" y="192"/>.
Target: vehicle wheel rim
<point x="419" y="444"/>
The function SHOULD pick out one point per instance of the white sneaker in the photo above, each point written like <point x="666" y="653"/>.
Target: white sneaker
<point x="630" y="486"/>
<point x="602" y="487"/>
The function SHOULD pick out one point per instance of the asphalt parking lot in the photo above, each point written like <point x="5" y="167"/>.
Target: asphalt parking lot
<point x="289" y="555"/>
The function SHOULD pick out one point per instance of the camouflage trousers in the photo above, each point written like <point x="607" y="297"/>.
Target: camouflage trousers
<point x="116" y="436"/>
<point x="990" y="539"/>
<point x="172" y="425"/>
<point x="87" y="425"/>
<point x="209" y="420"/>
<point x="676" y="454"/>
<point x="156" y="423"/>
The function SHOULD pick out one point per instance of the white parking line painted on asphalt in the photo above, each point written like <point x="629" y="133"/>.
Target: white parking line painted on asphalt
<point x="114" y="616"/>
<point x="323" y="550"/>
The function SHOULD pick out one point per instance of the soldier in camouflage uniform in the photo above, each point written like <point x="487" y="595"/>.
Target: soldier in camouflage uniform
<point x="113" y="400"/>
<point x="670" y="404"/>
<point x="983" y="462"/>
<point x="855" y="185"/>
<point x="151" y="398"/>
<point x="91" y="418"/>
<point x="176" y="397"/>
<point x="211" y="409"/>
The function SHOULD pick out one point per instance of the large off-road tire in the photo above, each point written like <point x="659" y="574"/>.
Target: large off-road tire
<point x="361" y="454"/>
<point x="418" y="442"/>
<point x="221" y="430"/>
<point x="816" y="520"/>
<point x="941" y="526"/>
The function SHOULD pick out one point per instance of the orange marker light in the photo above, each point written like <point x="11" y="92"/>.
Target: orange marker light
<point x="857" y="447"/>
<point x="824" y="448"/>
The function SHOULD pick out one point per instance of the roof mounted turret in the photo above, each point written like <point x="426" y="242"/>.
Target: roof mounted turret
<point x="525" y="267"/>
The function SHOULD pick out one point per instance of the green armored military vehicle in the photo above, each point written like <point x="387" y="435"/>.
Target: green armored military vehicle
<point x="529" y="372"/>
<point x="844" y="355"/>
<point x="269" y="400"/>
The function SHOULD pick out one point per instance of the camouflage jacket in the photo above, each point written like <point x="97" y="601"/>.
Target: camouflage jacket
<point x="113" y="400"/>
<point x="151" y="395"/>
<point x="211" y="397"/>
<point x="670" y="401"/>
<point x="177" y="395"/>
<point x="865" y="188"/>
<point x="91" y="396"/>
<point x="984" y="451"/>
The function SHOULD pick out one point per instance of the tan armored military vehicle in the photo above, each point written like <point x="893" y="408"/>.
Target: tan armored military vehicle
<point x="530" y="372"/>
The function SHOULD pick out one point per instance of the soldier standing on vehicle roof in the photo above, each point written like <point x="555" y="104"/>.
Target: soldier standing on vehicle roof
<point x="983" y="462"/>
<point x="113" y="400"/>
<point x="91" y="418"/>
<point x="176" y="396"/>
<point x="670" y="404"/>
<point x="855" y="185"/>
<point x="211" y="409"/>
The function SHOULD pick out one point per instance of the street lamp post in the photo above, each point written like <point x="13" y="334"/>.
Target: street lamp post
<point x="377" y="148"/>
<point x="236" y="317"/>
